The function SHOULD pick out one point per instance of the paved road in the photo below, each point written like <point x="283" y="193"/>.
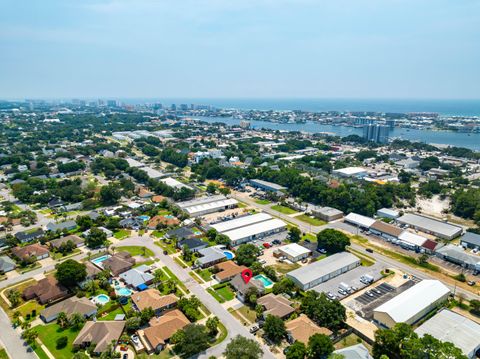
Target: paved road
<point x="305" y="227"/>
<point x="233" y="325"/>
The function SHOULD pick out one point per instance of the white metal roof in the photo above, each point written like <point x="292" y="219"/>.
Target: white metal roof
<point x="412" y="301"/>
<point x="359" y="220"/>
<point x="412" y="238"/>
<point x="255" y="229"/>
<point x="172" y="182"/>
<point x="152" y="172"/>
<point x="325" y="266"/>
<point x="350" y="171"/>
<point x="449" y="326"/>
<point x="211" y="205"/>
<point x="241" y="222"/>
<point x="294" y="250"/>
<point x="201" y="200"/>
<point x="133" y="162"/>
<point x="430" y="224"/>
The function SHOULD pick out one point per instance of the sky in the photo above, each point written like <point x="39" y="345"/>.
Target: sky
<point x="425" y="49"/>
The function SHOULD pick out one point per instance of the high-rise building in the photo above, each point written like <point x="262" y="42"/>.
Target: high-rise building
<point x="376" y="133"/>
<point x="112" y="103"/>
<point x="391" y="123"/>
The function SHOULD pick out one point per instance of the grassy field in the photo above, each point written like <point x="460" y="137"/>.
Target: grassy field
<point x="248" y="313"/>
<point x="136" y="251"/>
<point x="226" y="293"/>
<point x="49" y="334"/>
<point x="59" y="256"/>
<point x="122" y="234"/>
<point x="215" y="295"/>
<point x="158" y="234"/>
<point x="262" y="201"/>
<point x="350" y="340"/>
<point x="28" y="307"/>
<point x="283" y="268"/>
<point x="311" y="237"/>
<point x="175" y="278"/>
<point x="180" y="262"/>
<point x="166" y="247"/>
<point x="205" y="274"/>
<point x="40" y="352"/>
<point x="310" y="220"/>
<point x="195" y="277"/>
<point x="20" y="287"/>
<point x="222" y="334"/>
<point x="283" y="209"/>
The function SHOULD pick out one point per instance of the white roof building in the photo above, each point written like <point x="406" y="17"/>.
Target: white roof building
<point x="412" y="304"/>
<point x="359" y="220"/>
<point x="172" y="182"/>
<point x="152" y="173"/>
<point x="241" y="222"/>
<point x="411" y="239"/>
<point x="294" y="252"/>
<point x="429" y="225"/>
<point x="351" y="172"/>
<point x="255" y="231"/>
<point x="208" y="204"/>
<point x="452" y="327"/>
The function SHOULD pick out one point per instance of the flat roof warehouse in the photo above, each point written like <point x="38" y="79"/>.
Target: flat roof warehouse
<point x="426" y="224"/>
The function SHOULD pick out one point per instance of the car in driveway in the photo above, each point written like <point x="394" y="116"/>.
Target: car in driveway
<point x="254" y="329"/>
<point x="331" y="296"/>
<point x="342" y="292"/>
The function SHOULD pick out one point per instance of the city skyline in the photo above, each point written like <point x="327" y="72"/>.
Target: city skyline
<point x="225" y="49"/>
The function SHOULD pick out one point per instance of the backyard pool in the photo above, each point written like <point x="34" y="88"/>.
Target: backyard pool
<point x="169" y="216"/>
<point x="144" y="217"/>
<point x="98" y="261"/>
<point x="266" y="282"/>
<point x="124" y="292"/>
<point x="229" y="254"/>
<point x="101" y="299"/>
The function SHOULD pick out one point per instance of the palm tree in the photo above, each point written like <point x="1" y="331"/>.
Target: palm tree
<point x="25" y="325"/>
<point x="76" y="320"/>
<point x="62" y="320"/>
<point x="14" y="297"/>
<point x="91" y="286"/>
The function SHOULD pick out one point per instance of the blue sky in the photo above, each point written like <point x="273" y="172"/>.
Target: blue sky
<point x="240" y="48"/>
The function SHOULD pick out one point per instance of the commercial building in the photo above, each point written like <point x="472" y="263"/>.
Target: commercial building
<point x="173" y="183"/>
<point x="248" y="228"/>
<point x="439" y="229"/>
<point x="388" y="213"/>
<point x="457" y="255"/>
<point x="359" y="221"/>
<point x="294" y="252"/>
<point x="452" y="327"/>
<point x="385" y="230"/>
<point x="267" y="186"/>
<point x="412" y="305"/>
<point x="470" y="240"/>
<point x="411" y="240"/>
<point x="209" y="204"/>
<point x="355" y="172"/>
<point x="327" y="214"/>
<point x="318" y="272"/>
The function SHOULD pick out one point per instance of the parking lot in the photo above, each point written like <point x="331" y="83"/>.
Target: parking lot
<point x="351" y="278"/>
<point x="375" y="296"/>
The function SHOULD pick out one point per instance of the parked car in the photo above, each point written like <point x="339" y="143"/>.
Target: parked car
<point x="354" y="288"/>
<point x="254" y="329"/>
<point x="471" y="283"/>
<point x="262" y="261"/>
<point x="377" y="291"/>
<point x="342" y="292"/>
<point x="135" y="339"/>
<point x="331" y="295"/>
<point x="369" y="250"/>
<point x="370" y="294"/>
<point x="321" y="250"/>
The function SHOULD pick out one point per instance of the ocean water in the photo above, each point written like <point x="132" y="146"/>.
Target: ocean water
<point x="444" y="107"/>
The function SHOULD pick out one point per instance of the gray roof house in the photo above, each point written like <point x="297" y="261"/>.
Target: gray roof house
<point x="210" y="256"/>
<point x="242" y="288"/>
<point x="67" y="225"/>
<point x="28" y="236"/>
<point x="470" y="240"/>
<point x="6" y="264"/>
<point x="136" y="277"/>
<point x="69" y="306"/>
<point x="358" y="351"/>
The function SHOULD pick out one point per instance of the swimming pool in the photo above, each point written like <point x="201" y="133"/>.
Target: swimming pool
<point x="98" y="261"/>
<point x="124" y="292"/>
<point x="144" y="217"/>
<point x="169" y="216"/>
<point x="101" y="299"/>
<point x="266" y="281"/>
<point x="229" y="254"/>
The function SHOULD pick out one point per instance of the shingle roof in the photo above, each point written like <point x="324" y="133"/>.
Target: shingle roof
<point x="302" y="328"/>
<point x="69" y="306"/>
<point x="276" y="305"/>
<point x="162" y="328"/>
<point x="100" y="333"/>
<point x="152" y="298"/>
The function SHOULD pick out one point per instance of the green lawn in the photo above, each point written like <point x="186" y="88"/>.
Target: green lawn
<point x="158" y="234"/>
<point x="205" y="274"/>
<point x="283" y="209"/>
<point x="180" y="262"/>
<point x="175" y="278"/>
<point x="112" y="314"/>
<point x="28" y="307"/>
<point x="40" y="352"/>
<point x="283" y="268"/>
<point x="222" y="334"/>
<point x="215" y="295"/>
<point x="122" y="233"/>
<point x="49" y="334"/>
<point x="59" y="256"/>
<point x="196" y="277"/>
<point x="136" y="251"/>
<point x="310" y="220"/>
<point x="248" y="313"/>
<point x="3" y="354"/>
<point x="169" y="247"/>
<point x="311" y="237"/>
<point x="262" y="201"/>
<point x="226" y="293"/>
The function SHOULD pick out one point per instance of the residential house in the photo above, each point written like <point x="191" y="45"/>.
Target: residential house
<point x="118" y="263"/>
<point x="210" y="256"/>
<point x="69" y="306"/>
<point x="132" y="222"/>
<point x="108" y="232"/>
<point x="100" y="333"/>
<point x="227" y="270"/>
<point x="6" y="264"/>
<point x="152" y="298"/>
<point x="45" y="291"/>
<point x="302" y="328"/>
<point x="276" y="305"/>
<point x="358" y="351"/>
<point x="29" y="236"/>
<point x="194" y="244"/>
<point x="162" y="329"/>
<point x="139" y="278"/>
<point x="180" y="233"/>
<point x="34" y="250"/>
<point x="61" y="226"/>
<point x="163" y="220"/>
<point x="243" y="288"/>
<point x="76" y="240"/>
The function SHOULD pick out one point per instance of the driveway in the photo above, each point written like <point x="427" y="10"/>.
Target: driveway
<point x="234" y="327"/>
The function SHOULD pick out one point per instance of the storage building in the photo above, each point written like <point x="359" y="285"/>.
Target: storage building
<point x="388" y="213"/>
<point x="412" y="305"/>
<point x="205" y="205"/>
<point x="294" y="252"/>
<point x="327" y="214"/>
<point x="359" y="220"/>
<point x="432" y="226"/>
<point x="470" y="240"/>
<point x="267" y="186"/>
<point x="457" y="255"/>
<point x="255" y="231"/>
<point x="318" y="272"/>
<point x="452" y="327"/>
